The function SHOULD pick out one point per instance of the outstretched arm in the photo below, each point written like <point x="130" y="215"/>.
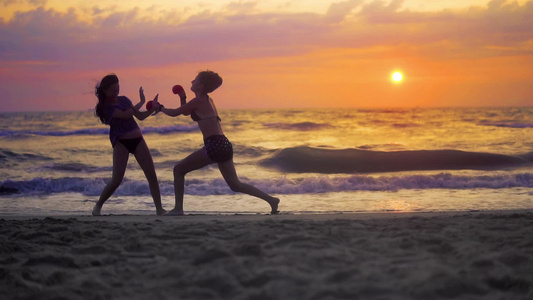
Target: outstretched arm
<point x="172" y="112"/>
<point x="184" y="109"/>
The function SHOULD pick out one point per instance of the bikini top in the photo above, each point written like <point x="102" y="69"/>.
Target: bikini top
<point x="196" y="118"/>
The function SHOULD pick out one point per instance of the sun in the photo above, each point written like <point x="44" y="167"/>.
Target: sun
<point x="397" y="76"/>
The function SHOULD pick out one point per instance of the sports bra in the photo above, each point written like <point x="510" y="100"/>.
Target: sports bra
<point x="196" y="118"/>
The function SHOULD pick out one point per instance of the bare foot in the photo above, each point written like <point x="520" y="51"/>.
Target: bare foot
<point x="160" y="212"/>
<point x="97" y="210"/>
<point x="274" y="202"/>
<point x="174" y="212"/>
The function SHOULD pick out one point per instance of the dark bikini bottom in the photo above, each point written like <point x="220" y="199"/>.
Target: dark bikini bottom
<point x="218" y="148"/>
<point x="131" y="144"/>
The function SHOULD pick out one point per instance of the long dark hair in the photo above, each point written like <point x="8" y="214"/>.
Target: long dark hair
<point x="106" y="82"/>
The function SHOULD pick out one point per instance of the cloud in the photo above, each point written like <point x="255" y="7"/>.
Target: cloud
<point x="6" y="3"/>
<point x="111" y="38"/>
<point x="338" y="11"/>
<point x="242" y="7"/>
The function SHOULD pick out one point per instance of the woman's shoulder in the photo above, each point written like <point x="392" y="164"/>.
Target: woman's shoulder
<point x="123" y="99"/>
<point x="124" y="102"/>
<point x="205" y="102"/>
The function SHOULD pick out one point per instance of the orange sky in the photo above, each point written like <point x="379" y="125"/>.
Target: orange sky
<point x="281" y="54"/>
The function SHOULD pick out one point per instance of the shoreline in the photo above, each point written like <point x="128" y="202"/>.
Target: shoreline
<point x="422" y="255"/>
<point x="314" y="216"/>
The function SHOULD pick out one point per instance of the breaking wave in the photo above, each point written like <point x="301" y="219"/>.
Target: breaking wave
<point x="328" y="161"/>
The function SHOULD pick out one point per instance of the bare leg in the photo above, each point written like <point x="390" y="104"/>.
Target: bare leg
<point x="144" y="158"/>
<point x="194" y="161"/>
<point x="229" y="173"/>
<point x="120" y="161"/>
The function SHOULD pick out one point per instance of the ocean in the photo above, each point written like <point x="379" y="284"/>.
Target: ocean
<point x="314" y="160"/>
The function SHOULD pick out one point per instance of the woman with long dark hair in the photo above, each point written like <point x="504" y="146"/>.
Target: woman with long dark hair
<point x="126" y="137"/>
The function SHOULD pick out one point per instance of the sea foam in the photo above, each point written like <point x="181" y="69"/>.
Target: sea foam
<point x="282" y="185"/>
<point x="97" y="131"/>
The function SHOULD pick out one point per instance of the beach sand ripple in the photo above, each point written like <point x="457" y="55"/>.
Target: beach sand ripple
<point x="470" y="255"/>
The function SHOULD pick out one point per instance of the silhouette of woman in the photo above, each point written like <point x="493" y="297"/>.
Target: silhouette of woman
<point x="217" y="148"/>
<point x="126" y="137"/>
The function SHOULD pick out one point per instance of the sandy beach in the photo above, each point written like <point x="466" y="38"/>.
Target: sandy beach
<point x="460" y="255"/>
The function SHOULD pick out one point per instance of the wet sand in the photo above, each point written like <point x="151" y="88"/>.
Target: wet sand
<point x="460" y="255"/>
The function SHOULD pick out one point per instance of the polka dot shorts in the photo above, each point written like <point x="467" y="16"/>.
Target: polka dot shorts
<point x="218" y="148"/>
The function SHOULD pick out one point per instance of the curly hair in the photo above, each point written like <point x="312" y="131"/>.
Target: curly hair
<point x="210" y="80"/>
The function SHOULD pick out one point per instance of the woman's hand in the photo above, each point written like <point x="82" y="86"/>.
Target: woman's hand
<point x="155" y="105"/>
<point x="141" y="95"/>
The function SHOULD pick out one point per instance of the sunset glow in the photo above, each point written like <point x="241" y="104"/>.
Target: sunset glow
<point x="397" y="76"/>
<point x="276" y="52"/>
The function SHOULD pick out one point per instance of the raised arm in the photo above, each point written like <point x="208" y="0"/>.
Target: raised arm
<point x="139" y="105"/>
<point x="133" y="111"/>
<point x="141" y="115"/>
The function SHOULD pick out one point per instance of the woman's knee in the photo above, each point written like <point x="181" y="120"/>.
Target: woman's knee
<point x="235" y="186"/>
<point x="115" y="182"/>
<point x="178" y="170"/>
<point x="151" y="177"/>
<point x="150" y="173"/>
